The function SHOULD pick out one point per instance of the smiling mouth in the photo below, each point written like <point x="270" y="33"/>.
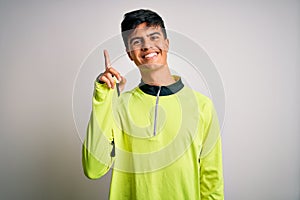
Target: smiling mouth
<point x="150" y="55"/>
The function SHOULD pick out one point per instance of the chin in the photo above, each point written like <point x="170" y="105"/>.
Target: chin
<point x="151" y="66"/>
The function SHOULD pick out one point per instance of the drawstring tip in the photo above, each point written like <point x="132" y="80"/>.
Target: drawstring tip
<point x="113" y="151"/>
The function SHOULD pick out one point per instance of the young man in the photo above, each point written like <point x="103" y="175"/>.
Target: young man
<point x="162" y="138"/>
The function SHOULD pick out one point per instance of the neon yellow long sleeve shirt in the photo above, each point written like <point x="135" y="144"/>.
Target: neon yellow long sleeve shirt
<point x="162" y="142"/>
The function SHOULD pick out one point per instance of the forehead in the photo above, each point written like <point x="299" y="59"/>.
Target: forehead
<point x="143" y="30"/>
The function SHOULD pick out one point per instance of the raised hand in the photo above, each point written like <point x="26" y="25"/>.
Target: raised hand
<point x="111" y="75"/>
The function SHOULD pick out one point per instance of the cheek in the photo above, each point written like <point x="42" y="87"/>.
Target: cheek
<point x="134" y="55"/>
<point x="162" y="45"/>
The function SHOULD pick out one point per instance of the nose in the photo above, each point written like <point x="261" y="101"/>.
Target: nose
<point x="147" y="44"/>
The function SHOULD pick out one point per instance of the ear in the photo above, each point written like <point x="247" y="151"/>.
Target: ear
<point x="167" y="44"/>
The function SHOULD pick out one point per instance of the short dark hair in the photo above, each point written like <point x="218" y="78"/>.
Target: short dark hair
<point x="134" y="18"/>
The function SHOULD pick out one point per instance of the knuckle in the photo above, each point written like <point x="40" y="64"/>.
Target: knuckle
<point x="101" y="78"/>
<point x="111" y="69"/>
<point x="107" y="74"/>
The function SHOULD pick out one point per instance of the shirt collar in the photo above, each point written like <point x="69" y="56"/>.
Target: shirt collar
<point x="164" y="90"/>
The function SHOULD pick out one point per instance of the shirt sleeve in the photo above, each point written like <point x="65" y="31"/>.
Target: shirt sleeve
<point x="98" y="147"/>
<point x="211" y="170"/>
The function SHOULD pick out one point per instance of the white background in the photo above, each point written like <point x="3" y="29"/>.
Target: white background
<point x="255" y="46"/>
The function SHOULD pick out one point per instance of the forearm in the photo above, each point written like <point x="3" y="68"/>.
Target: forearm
<point x="97" y="146"/>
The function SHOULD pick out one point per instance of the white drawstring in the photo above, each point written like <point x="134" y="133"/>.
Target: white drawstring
<point x="155" y="114"/>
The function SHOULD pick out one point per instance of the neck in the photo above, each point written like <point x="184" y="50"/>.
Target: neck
<point x="159" y="77"/>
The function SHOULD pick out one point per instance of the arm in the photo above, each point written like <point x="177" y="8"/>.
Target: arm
<point x="97" y="147"/>
<point x="211" y="172"/>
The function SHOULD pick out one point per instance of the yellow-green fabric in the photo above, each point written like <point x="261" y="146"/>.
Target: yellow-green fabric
<point x="184" y="159"/>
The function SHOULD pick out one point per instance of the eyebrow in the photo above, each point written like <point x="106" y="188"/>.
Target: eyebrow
<point x="154" y="34"/>
<point x="151" y="34"/>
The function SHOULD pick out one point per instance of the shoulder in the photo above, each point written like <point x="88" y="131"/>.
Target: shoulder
<point x="202" y="100"/>
<point x="133" y="92"/>
<point x="125" y="96"/>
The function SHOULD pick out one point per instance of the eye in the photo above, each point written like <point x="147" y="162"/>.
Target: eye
<point x="154" y="37"/>
<point x="136" y="42"/>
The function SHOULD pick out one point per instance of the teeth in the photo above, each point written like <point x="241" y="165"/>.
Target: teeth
<point x="150" y="55"/>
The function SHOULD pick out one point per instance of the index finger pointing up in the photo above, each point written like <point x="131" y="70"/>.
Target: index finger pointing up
<point x="106" y="58"/>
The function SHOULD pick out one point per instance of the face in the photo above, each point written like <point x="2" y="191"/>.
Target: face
<point x="147" y="47"/>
